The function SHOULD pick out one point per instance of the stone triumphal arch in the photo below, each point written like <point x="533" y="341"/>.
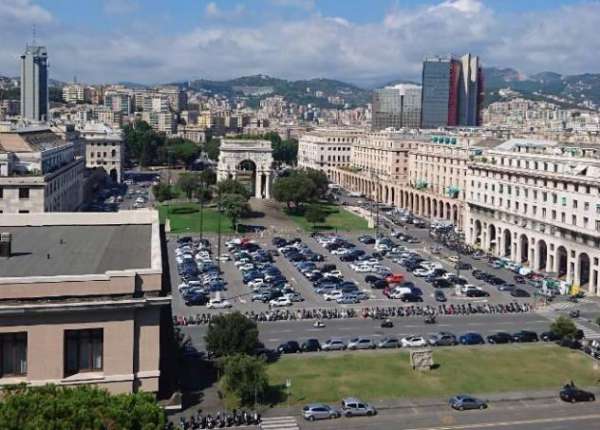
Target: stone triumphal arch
<point x="247" y="159"/>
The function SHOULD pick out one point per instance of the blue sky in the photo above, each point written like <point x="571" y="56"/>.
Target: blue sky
<point x="362" y="41"/>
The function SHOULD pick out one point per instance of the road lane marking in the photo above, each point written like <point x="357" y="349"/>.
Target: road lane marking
<point x="510" y="423"/>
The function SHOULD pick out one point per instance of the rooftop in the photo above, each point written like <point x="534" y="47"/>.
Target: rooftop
<point x="85" y="249"/>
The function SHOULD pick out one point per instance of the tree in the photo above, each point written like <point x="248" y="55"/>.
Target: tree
<point x="297" y="188"/>
<point x="245" y="377"/>
<point x="314" y="214"/>
<point x="84" y="407"/>
<point x="183" y="150"/>
<point x="232" y="186"/>
<point x="234" y="206"/>
<point x="208" y="177"/>
<point x="564" y="327"/>
<point x="142" y="143"/>
<point x="230" y="334"/>
<point x="320" y="180"/>
<point x="286" y="152"/>
<point x="189" y="183"/>
<point x="211" y="148"/>
<point x="162" y="192"/>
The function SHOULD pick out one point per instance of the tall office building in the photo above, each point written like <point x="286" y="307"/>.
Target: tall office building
<point x="34" y="83"/>
<point x="398" y="106"/>
<point x="452" y="92"/>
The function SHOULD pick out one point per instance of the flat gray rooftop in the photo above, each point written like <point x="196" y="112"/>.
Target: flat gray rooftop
<point x="85" y="250"/>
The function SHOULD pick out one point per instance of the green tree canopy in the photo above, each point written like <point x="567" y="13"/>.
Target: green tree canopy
<point x="232" y="186"/>
<point x="315" y="214"/>
<point x="142" y="143"/>
<point x="564" y="327"/>
<point x="245" y="377"/>
<point x="85" y="407"/>
<point x="297" y="188"/>
<point x="163" y="192"/>
<point x="211" y="148"/>
<point x="320" y="180"/>
<point x="230" y="334"/>
<point x="208" y="177"/>
<point x="234" y="207"/>
<point x="190" y="183"/>
<point x="184" y="151"/>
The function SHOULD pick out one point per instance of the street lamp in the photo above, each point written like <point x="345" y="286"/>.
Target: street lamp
<point x="219" y="230"/>
<point x="375" y="201"/>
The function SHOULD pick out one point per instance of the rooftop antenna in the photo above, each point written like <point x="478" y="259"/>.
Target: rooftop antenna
<point x="34" y="34"/>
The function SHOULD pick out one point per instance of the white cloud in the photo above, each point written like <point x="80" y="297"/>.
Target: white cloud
<point x="23" y="11"/>
<point x="299" y="4"/>
<point x="222" y="46"/>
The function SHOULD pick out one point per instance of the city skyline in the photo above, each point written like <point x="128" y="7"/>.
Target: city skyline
<point x="150" y="42"/>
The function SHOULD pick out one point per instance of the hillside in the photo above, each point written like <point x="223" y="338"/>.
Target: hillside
<point x="567" y="90"/>
<point x="317" y="92"/>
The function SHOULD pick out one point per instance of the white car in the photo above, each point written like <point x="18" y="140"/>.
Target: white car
<point x="362" y="269"/>
<point x="413" y="342"/>
<point x="218" y="304"/>
<point x="454" y="258"/>
<point x="335" y="273"/>
<point x="420" y="272"/>
<point x="340" y="251"/>
<point x="280" y="301"/>
<point x="333" y="295"/>
<point x="256" y="283"/>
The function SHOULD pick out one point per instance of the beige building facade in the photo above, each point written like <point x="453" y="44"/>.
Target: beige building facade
<point x="536" y="203"/>
<point x="104" y="148"/>
<point x="325" y="149"/>
<point x="80" y="299"/>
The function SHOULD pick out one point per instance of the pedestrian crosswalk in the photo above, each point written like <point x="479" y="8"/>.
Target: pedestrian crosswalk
<point x="565" y="306"/>
<point x="588" y="333"/>
<point x="279" y="423"/>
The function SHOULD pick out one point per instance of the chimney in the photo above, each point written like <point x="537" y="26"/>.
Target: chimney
<point x="5" y="239"/>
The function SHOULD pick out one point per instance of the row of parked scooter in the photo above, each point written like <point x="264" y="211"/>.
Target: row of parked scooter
<point x="220" y="420"/>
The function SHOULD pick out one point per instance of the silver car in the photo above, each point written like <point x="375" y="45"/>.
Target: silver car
<point x="333" y="344"/>
<point x="354" y="407"/>
<point x="361" y="343"/>
<point x="388" y="342"/>
<point x="319" y="411"/>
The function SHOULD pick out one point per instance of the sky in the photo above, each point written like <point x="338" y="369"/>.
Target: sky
<point x="360" y="41"/>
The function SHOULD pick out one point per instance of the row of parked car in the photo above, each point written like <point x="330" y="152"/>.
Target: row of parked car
<point x="327" y="280"/>
<point x="417" y="341"/>
<point x="261" y="275"/>
<point x="200" y="276"/>
<point x="355" y="407"/>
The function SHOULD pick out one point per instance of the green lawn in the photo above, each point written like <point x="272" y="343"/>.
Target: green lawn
<point x="188" y="218"/>
<point x="473" y="370"/>
<point x="337" y="219"/>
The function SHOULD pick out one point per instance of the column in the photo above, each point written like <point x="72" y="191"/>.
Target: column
<point x="499" y="242"/>
<point x="268" y="186"/>
<point x="577" y="270"/>
<point x="257" y="185"/>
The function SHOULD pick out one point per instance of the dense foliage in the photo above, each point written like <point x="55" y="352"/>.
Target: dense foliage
<point x="299" y="187"/>
<point x="315" y="214"/>
<point x="234" y="206"/>
<point x="245" y="377"/>
<point x="564" y="327"/>
<point x="230" y="334"/>
<point x="150" y="148"/>
<point x="86" y="407"/>
<point x="232" y="186"/>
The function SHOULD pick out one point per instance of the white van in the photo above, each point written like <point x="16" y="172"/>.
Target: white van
<point x="355" y="194"/>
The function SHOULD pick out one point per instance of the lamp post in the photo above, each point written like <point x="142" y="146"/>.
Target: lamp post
<point x="219" y="230"/>
<point x="375" y="201"/>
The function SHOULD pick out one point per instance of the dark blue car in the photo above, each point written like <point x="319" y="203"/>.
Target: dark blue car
<point x="471" y="339"/>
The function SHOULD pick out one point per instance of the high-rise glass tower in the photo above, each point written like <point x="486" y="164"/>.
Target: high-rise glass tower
<point x="452" y="92"/>
<point x="397" y="106"/>
<point x="34" y="83"/>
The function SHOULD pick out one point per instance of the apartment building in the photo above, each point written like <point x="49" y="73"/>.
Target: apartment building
<point x="39" y="171"/>
<point x="536" y="202"/>
<point x="104" y="148"/>
<point x="72" y="317"/>
<point x="324" y="149"/>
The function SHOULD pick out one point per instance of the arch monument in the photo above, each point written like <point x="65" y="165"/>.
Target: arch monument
<point x="239" y="157"/>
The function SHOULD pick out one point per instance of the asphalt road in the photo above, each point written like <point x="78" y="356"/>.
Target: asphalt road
<point x="547" y="414"/>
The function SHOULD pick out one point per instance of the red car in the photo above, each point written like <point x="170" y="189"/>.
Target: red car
<point x="396" y="278"/>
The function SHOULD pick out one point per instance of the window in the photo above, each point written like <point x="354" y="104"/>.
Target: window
<point x="1" y="193"/>
<point x="574" y="219"/>
<point x="23" y="193"/>
<point x="597" y="225"/>
<point x="543" y="212"/>
<point x="586" y="206"/>
<point x="574" y="204"/>
<point x="553" y="214"/>
<point x="83" y="351"/>
<point x="13" y="354"/>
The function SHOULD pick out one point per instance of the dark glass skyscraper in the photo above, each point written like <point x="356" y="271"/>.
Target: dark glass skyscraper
<point x="452" y="92"/>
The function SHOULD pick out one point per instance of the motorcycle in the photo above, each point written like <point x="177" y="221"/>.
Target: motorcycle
<point x="387" y="323"/>
<point x="318" y="324"/>
<point x="430" y="320"/>
<point x="574" y="314"/>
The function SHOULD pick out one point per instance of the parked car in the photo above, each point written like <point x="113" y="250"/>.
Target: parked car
<point x="413" y="342"/>
<point x="500" y="337"/>
<point x="289" y="347"/>
<point x="388" y="342"/>
<point x="463" y="402"/>
<point x="471" y="339"/>
<point x="280" y="301"/>
<point x="354" y="407"/>
<point x="319" y="411"/>
<point x="311" y="345"/>
<point x="361" y="343"/>
<point x="549" y="336"/>
<point x="570" y="393"/>
<point x="525" y="336"/>
<point x="439" y="296"/>
<point x="518" y="292"/>
<point x="443" y="339"/>
<point x="218" y="304"/>
<point x="333" y="344"/>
